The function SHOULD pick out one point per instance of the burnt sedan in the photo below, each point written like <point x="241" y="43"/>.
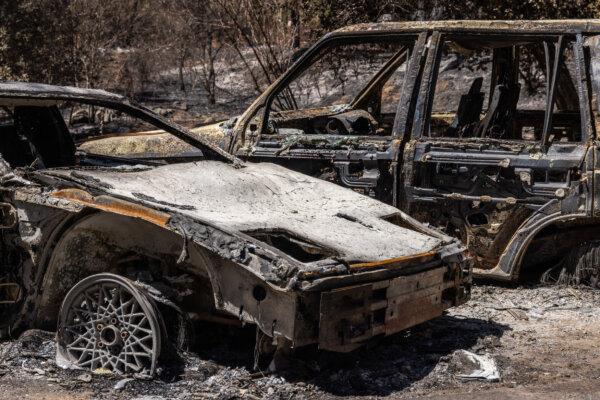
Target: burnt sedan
<point x="123" y="256"/>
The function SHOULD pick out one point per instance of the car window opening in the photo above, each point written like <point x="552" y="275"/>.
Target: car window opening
<point x="47" y="136"/>
<point x="348" y="89"/>
<point x="508" y="89"/>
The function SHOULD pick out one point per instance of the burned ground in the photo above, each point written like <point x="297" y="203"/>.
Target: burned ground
<point x="543" y="340"/>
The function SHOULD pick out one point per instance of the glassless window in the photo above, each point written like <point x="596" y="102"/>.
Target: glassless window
<point x="500" y="90"/>
<point x="390" y="93"/>
<point x="337" y="75"/>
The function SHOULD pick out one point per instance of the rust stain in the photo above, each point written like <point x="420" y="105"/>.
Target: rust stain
<point x="395" y="262"/>
<point x="117" y="206"/>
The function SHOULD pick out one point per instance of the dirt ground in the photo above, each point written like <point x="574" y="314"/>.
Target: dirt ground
<point x="544" y="340"/>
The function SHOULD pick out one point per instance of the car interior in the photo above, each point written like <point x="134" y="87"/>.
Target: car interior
<point x="508" y="94"/>
<point x="349" y="89"/>
<point x="42" y="136"/>
<point x="36" y="136"/>
<point x="484" y="88"/>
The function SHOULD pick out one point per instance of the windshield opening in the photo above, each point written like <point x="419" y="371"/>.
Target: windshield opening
<point x="64" y="134"/>
<point x="363" y="78"/>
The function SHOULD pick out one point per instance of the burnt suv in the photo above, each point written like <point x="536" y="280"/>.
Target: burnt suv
<point x="487" y="129"/>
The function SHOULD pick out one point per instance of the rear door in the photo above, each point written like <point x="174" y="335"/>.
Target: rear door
<point x="498" y="134"/>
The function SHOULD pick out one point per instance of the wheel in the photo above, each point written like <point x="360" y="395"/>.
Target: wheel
<point x="580" y="266"/>
<point x="106" y="322"/>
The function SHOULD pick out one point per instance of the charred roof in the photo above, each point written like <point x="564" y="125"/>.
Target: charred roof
<point x="39" y="91"/>
<point x="566" y="26"/>
<point x="53" y="92"/>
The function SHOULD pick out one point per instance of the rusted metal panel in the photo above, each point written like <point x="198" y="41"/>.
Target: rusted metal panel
<point x="410" y="88"/>
<point x="345" y="318"/>
<point x="583" y="89"/>
<point x="113" y="205"/>
<point x="396" y="262"/>
<point x="426" y="91"/>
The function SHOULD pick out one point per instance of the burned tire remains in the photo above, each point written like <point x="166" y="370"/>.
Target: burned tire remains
<point x="106" y="322"/>
<point x="581" y="266"/>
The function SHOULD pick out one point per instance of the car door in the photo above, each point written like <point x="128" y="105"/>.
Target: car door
<point x="348" y="134"/>
<point x="481" y="171"/>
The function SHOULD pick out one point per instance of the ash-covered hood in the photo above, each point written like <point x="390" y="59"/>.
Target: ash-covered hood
<point x="266" y="197"/>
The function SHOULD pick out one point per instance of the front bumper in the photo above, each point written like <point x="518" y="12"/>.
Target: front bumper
<point x="351" y="315"/>
<point x="341" y="312"/>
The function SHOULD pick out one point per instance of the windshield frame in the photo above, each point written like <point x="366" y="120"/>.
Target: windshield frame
<point x="126" y="106"/>
<point x="304" y="62"/>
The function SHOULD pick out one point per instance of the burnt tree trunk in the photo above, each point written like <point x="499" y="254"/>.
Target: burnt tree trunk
<point x="295" y="23"/>
<point x="209" y="67"/>
<point x="181" y="77"/>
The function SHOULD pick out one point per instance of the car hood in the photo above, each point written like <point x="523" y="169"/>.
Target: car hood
<point x="265" y="197"/>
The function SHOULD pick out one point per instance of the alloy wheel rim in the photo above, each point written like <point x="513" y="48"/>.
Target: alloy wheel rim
<point x="107" y="323"/>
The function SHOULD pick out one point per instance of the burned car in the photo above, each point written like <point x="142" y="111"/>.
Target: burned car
<point x="486" y="129"/>
<point x="123" y="256"/>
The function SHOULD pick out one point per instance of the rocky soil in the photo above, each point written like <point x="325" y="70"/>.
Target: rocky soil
<point x="544" y="342"/>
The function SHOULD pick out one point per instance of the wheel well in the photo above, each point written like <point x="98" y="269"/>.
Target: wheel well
<point x="553" y="242"/>
<point x="137" y="249"/>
